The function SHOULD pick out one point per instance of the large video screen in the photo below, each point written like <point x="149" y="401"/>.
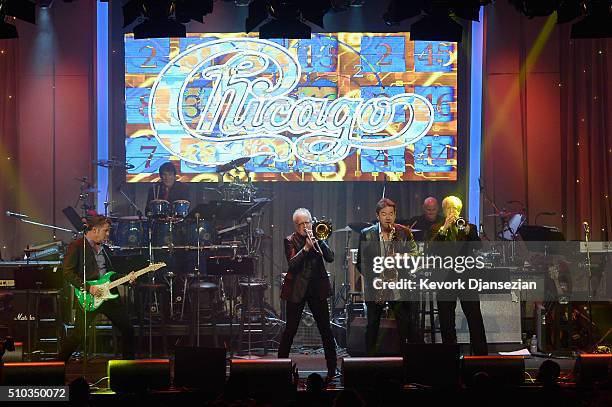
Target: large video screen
<point x="336" y="107"/>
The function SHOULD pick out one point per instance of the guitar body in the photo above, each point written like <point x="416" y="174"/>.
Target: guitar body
<point x="92" y="303"/>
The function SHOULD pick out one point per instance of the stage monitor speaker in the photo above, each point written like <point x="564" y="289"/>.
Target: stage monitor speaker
<point x="33" y="374"/>
<point x="14" y="355"/>
<point x="502" y="370"/>
<point x="592" y="368"/>
<point x="432" y="365"/>
<point x="359" y="373"/>
<point x="262" y="376"/>
<point x="135" y="376"/>
<point x="388" y="338"/>
<point x="201" y="368"/>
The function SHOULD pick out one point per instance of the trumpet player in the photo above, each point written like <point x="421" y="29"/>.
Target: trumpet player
<point x="456" y="229"/>
<point x="378" y="240"/>
<point x="307" y="282"/>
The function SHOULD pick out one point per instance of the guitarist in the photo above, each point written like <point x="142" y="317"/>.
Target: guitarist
<point x="96" y="265"/>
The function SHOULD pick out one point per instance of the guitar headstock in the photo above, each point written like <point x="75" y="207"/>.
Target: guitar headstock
<point x="156" y="266"/>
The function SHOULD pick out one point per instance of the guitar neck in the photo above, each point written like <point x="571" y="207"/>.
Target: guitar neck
<point x="126" y="278"/>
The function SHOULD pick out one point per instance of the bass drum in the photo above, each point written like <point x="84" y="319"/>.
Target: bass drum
<point x="207" y="233"/>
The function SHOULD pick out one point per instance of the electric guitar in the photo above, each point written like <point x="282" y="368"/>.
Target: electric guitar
<point x="91" y="302"/>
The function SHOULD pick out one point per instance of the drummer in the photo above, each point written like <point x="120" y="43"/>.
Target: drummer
<point x="168" y="188"/>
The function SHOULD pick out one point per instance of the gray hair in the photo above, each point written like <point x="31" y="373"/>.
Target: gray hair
<point x="301" y="211"/>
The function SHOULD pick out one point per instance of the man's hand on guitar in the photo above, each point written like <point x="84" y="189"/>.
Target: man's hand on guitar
<point x="132" y="277"/>
<point x="95" y="291"/>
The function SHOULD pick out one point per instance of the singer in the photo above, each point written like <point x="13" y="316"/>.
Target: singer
<point x="168" y="188"/>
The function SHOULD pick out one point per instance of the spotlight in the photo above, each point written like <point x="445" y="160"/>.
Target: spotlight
<point x="535" y="8"/>
<point x="287" y="17"/>
<point x="164" y="18"/>
<point x="569" y="10"/>
<point x="45" y="3"/>
<point x="436" y="27"/>
<point x="398" y="10"/>
<point x="598" y="22"/>
<point x="21" y="9"/>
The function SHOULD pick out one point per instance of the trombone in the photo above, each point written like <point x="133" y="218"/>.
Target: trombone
<point x="321" y="230"/>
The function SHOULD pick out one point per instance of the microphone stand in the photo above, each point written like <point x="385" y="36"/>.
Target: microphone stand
<point x="197" y="274"/>
<point x="590" y="288"/>
<point x="84" y="289"/>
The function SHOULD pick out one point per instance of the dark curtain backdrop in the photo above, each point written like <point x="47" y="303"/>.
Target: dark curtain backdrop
<point x="9" y="141"/>
<point x="546" y="124"/>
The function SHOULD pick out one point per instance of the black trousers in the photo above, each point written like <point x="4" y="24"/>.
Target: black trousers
<point x="470" y="305"/>
<point x="406" y="318"/>
<point x="116" y="312"/>
<point x="320" y="313"/>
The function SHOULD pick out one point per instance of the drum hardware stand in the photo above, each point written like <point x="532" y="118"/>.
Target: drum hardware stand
<point x="590" y="282"/>
<point x="197" y="274"/>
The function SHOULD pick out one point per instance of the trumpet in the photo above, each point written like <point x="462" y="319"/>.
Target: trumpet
<point x="460" y="223"/>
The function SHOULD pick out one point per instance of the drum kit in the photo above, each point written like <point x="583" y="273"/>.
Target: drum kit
<point x="188" y="236"/>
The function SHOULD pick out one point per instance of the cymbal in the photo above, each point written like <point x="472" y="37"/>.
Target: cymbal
<point x="90" y="189"/>
<point x="344" y="229"/>
<point x="233" y="164"/>
<point x="114" y="164"/>
<point x="358" y="226"/>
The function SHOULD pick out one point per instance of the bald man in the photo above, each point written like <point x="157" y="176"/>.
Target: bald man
<point x="425" y="221"/>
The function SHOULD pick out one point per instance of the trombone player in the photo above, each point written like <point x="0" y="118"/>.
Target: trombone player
<point x="307" y="282"/>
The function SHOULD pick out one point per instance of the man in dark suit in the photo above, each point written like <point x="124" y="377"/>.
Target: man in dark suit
<point x="378" y="240"/>
<point x="96" y="264"/>
<point x="168" y="188"/>
<point x="307" y="282"/>
<point x="443" y="236"/>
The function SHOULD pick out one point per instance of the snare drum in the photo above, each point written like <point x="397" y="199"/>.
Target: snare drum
<point x="180" y="208"/>
<point x="130" y="231"/>
<point x="159" y="208"/>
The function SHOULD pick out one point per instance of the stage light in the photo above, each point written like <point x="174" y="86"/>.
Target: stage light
<point x="164" y="18"/>
<point x="466" y="9"/>
<point x="287" y="17"/>
<point x="436" y="27"/>
<point x="598" y="22"/>
<point x="398" y="11"/>
<point x="45" y="3"/>
<point x="22" y="9"/>
<point x="535" y="8"/>
<point x="569" y="10"/>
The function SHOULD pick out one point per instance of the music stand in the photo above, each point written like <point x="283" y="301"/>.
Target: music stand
<point x="229" y="265"/>
<point x="536" y="238"/>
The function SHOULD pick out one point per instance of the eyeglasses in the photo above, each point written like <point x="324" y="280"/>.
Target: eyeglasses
<point x="303" y="223"/>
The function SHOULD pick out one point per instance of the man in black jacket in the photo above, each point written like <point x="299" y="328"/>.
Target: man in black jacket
<point x="307" y="282"/>
<point x="450" y="239"/>
<point x="96" y="264"/>
<point x="168" y="188"/>
<point x="378" y="240"/>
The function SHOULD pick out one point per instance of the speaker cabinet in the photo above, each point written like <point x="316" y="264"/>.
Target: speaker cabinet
<point x="502" y="370"/>
<point x="134" y="376"/>
<point x="360" y="373"/>
<point x="33" y="374"/>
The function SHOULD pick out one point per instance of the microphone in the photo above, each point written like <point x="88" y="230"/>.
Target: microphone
<point x="16" y="215"/>
<point x="585" y="225"/>
<point x="197" y="215"/>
